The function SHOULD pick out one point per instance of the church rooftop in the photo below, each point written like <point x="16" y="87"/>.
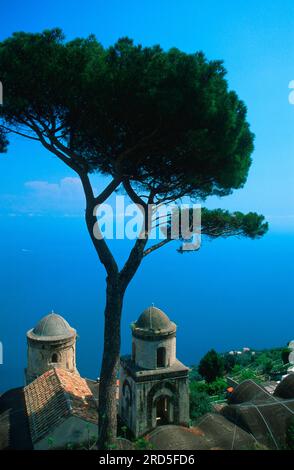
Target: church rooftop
<point x="51" y="327"/>
<point x="153" y="321"/>
<point x="53" y="397"/>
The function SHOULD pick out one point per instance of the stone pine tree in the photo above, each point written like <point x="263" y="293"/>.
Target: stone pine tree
<point x="160" y="125"/>
<point x="211" y="366"/>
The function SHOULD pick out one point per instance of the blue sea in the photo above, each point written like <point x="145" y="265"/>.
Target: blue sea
<point x="231" y="294"/>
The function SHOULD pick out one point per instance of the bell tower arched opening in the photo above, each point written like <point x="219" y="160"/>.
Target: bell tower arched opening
<point x="54" y="358"/>
<point x="162" y="411"/>
<point x="161" y="357"/>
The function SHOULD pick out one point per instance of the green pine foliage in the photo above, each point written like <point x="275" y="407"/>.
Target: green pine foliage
<point x="211" y="366"/>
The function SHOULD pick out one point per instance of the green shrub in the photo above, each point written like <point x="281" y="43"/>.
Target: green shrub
<point x="217" y="387"/>
<point x="199" y="401"/>
<point x="229" y="362"/>
<point x="248" y="374"/>
<point x="285" y="355"/>
<point x="142" y="443"/>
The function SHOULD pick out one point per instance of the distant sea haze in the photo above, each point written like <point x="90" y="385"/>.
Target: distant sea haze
<point x="229" y="295"/>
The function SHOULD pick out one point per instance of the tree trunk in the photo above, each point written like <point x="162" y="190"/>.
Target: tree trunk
<point x="116" y="285"/>
<point x="110" y="365"/>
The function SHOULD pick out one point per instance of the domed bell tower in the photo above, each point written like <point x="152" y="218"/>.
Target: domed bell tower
<point x="51" y="343"/>
<point x="153" y="382"/>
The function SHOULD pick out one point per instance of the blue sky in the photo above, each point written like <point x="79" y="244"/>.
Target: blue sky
<point x="240" y="290"/>
<point x="255" y="40"/>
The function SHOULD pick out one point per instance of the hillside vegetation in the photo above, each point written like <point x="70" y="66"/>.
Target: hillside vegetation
<point x="210" y="379"/>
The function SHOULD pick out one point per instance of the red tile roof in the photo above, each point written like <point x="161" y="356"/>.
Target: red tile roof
<point x="54" y="396"/>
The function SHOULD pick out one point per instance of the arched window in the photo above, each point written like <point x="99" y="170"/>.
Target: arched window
<point x="161" y="357"/>
<point x="54" y="358"/>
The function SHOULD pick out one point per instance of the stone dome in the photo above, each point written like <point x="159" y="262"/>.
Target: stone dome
<point x="153" y="321"/>
<point x="51" y="327"/>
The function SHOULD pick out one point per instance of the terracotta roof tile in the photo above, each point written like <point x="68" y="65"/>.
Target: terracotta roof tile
<point x="55" y="395"/>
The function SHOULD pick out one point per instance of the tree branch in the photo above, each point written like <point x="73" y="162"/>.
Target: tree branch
<point x="157" y="246"/>
<point x="102" y="249"/>
<point x="113" y="185"/>
<point x="19" y="133"/>
<point x="135" y="148"/>
<point x="136" y="255"/>
<point x="99" y="243"/>
<point x="133" y="195"/>
<point x="49" y="146"/>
